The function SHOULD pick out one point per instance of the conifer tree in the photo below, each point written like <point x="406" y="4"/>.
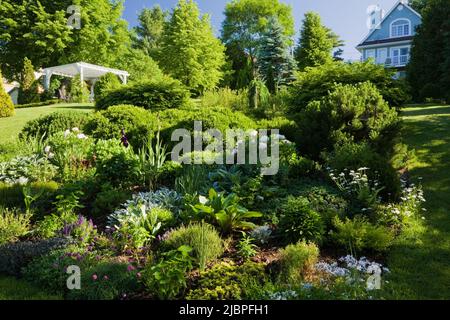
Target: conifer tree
<point x="275" y="62"/>
<point x="316" y="43"/>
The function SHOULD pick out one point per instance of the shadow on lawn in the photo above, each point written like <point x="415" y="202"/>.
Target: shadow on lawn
<point x="420" y="267"/>
<point x="76" y="107"/>
<point x="428" y="111"/>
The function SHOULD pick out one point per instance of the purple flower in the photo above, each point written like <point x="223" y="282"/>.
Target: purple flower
<point x="124" y="139"/>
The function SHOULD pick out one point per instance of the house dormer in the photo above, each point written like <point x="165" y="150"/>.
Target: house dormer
<point x="389" y="42"/>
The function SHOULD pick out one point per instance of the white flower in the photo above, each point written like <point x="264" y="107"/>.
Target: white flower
<point x="81" y="136"/>
<point x="66" y="133"/>
<point x="75" y="129"/>
<point x="47" y="149"/>
<point x="22" y="180"/>
<point x="202" y="199"/>
<point x="51" y="155"/>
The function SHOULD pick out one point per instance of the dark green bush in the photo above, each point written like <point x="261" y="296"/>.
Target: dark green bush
<point x="315" y="83"/>
<point x="106" y="281"/>
<point x="121" y="168"/>
<point x="299" y="222"/>
<point x="15" y="256"/>
<point x="106" y="83"/>
<point x="108" y="200"/>
<point x="349" y="112"/>
<point x="154" y="95"/>
<point x="53" y="123"/>
<point x="203" y="238"/>
<point x="138" y="123"/>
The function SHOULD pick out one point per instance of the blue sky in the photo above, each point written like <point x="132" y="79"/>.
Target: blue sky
<point x="346" y="17"/>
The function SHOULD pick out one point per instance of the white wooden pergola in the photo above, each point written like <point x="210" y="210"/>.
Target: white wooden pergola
<point x="86" y="71"/>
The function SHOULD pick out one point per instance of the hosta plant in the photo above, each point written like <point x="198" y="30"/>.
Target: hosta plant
<point x="225" y="211"/>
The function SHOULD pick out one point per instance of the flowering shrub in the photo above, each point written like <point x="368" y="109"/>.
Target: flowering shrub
<point x="83" y="230"/>
<point x="68" y="151"/>
<point x="358" y="187"/>
<point x="107" y="281"/>
<point x="410" y="206"/>
<point x="347" y="278"/>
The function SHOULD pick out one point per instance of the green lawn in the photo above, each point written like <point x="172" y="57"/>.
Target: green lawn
<point x="421" y="266"/>
<point x="13" y="289"/>
<point x="10" y="127"/>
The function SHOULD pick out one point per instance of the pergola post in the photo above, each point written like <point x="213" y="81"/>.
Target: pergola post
<point x="48" y="77"/>
<point x="81" y="74"/>
<point x="92" y="95"/>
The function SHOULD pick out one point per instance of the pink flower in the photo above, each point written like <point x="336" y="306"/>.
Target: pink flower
<point x="138" y="275"/>
<point x="130" y="268"/>
<point x="105" y="278"/>
<point x="94" y="277"/>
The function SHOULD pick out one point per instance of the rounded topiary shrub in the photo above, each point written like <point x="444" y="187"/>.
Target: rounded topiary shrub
<point x="299" y="222"/>
<point x="155" y="95"/>
<point x="106" y="83"/>
<point x="53" y="123"/>
<point x="211" y="118"/>
<point x="6" y="104"/>
<point x="203" y="238"/>
<point x="138" y="124"/>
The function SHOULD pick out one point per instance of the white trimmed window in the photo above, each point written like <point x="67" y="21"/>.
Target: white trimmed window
<point x="400" y="56"/>
<point x="400" y="28"/>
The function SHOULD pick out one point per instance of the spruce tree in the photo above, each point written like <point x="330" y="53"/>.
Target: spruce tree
<point x="316" y="43"/>
<point x="275" y="62"/>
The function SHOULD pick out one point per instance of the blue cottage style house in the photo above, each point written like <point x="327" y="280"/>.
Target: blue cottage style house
<point x="389" y="40"/>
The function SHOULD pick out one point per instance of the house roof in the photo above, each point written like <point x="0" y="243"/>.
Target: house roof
<point x="10" y="86"/>
<point x="384" y="41"/>
<point x="364" y="42"/>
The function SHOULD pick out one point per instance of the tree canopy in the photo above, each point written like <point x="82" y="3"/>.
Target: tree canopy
<point x="189" y="50"/>
<point x="150" y="29"/>
<point x="428" y="71"/>
<point x="242" y="30"/>
<point x="39" y="31"/>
